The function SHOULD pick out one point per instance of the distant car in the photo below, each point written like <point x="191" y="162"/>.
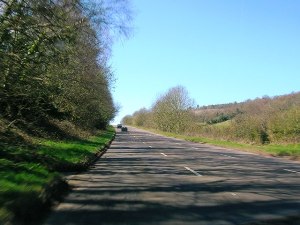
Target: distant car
<point x="124" y="129"/>
<point x="119" y="126"/>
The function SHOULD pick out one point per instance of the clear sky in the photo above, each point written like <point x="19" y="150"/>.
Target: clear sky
<point x="220" y="50"/>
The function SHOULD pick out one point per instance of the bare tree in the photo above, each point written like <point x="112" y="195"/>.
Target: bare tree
<point x="171" y="110"/>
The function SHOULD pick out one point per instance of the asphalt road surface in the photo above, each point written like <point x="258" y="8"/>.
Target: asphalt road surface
<point x="149" y="179"/>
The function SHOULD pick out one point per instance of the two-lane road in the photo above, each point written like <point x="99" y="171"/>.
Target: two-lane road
<point x="149" y="179"/>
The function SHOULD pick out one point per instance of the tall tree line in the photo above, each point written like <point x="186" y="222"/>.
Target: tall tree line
<point x="53" y="60"/>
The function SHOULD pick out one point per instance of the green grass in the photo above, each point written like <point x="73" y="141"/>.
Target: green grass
<point x="30" y="178"/>
<point x="222" y="124"/>
<point x="74" y="151"/>
<point x="21" y="184"/>
<point x="290" y="150"/>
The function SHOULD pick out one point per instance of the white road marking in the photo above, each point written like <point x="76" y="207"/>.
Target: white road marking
<point x="292" y="171"/>
<point x="150" y="146"/>
<point x="234" y="194"/>
<point x="228" y="156"/>
<point x="144" y="142"/>
<point x="163" y="154"/>
<point x="193" y="171"/>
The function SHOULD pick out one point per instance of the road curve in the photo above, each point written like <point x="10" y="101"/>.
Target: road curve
<point x="149" y="179"/>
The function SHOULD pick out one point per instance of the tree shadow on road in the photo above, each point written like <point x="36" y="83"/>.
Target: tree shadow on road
<point x="131" y="187"/>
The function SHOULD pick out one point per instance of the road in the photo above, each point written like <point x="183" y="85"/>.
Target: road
<point x="149" y="179"/>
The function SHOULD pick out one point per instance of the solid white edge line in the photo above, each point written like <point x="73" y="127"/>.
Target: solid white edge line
<point x="163" y="154"/>
<point x="193" y="171"/>
<point x="293" y="171"/>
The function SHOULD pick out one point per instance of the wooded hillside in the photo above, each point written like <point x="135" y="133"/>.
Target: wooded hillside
<point x="261" y="121"/>
<point x="54" y="62"/>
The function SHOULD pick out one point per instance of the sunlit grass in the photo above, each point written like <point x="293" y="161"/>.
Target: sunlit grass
<point x="222" y="124"/>
<point x="20" y="186"/>
<point x="25" y="171"/>
<point x="75" y="151"/>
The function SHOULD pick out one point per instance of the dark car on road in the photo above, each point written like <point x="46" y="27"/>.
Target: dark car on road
<point x="119" y="126"/>
<point x="124" y="129"/>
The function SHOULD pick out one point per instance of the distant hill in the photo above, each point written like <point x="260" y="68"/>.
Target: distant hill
<point x="222" y="112"/>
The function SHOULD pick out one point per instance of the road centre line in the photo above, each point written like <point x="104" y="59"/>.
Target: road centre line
<point x="193" y="171"/>
<point x="163" y="154"/>
<point x="228" y="156"/>
<point x="292" y="171"/>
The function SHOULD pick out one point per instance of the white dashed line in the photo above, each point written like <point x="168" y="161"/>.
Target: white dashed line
<point x="163" y="154"/>
<point x="228" y="156"/>
<point x="292" y="171"/>
<point x="193" y="171"/>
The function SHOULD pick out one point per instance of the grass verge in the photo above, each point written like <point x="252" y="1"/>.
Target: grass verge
<point x="30" y="178"/>
<point x="291" y="151"/>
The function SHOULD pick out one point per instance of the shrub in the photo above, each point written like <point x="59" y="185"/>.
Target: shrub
<point x="285" y="126"/>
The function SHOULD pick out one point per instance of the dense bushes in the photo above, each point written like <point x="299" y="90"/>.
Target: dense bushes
<point x="285" y="126"/>
<point x="54" y="62"/>
<point x="260" y="121"/>
<point x="220" y="118"/>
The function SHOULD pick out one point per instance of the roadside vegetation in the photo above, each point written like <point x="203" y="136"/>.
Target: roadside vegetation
<point x="31" y="174"/>
<point x="267" y="125"/>
<point x="55" y="96"/>
<point x="54" y="61"/>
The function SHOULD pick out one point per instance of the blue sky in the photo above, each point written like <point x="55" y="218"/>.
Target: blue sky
<point x="220" y="50"/>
